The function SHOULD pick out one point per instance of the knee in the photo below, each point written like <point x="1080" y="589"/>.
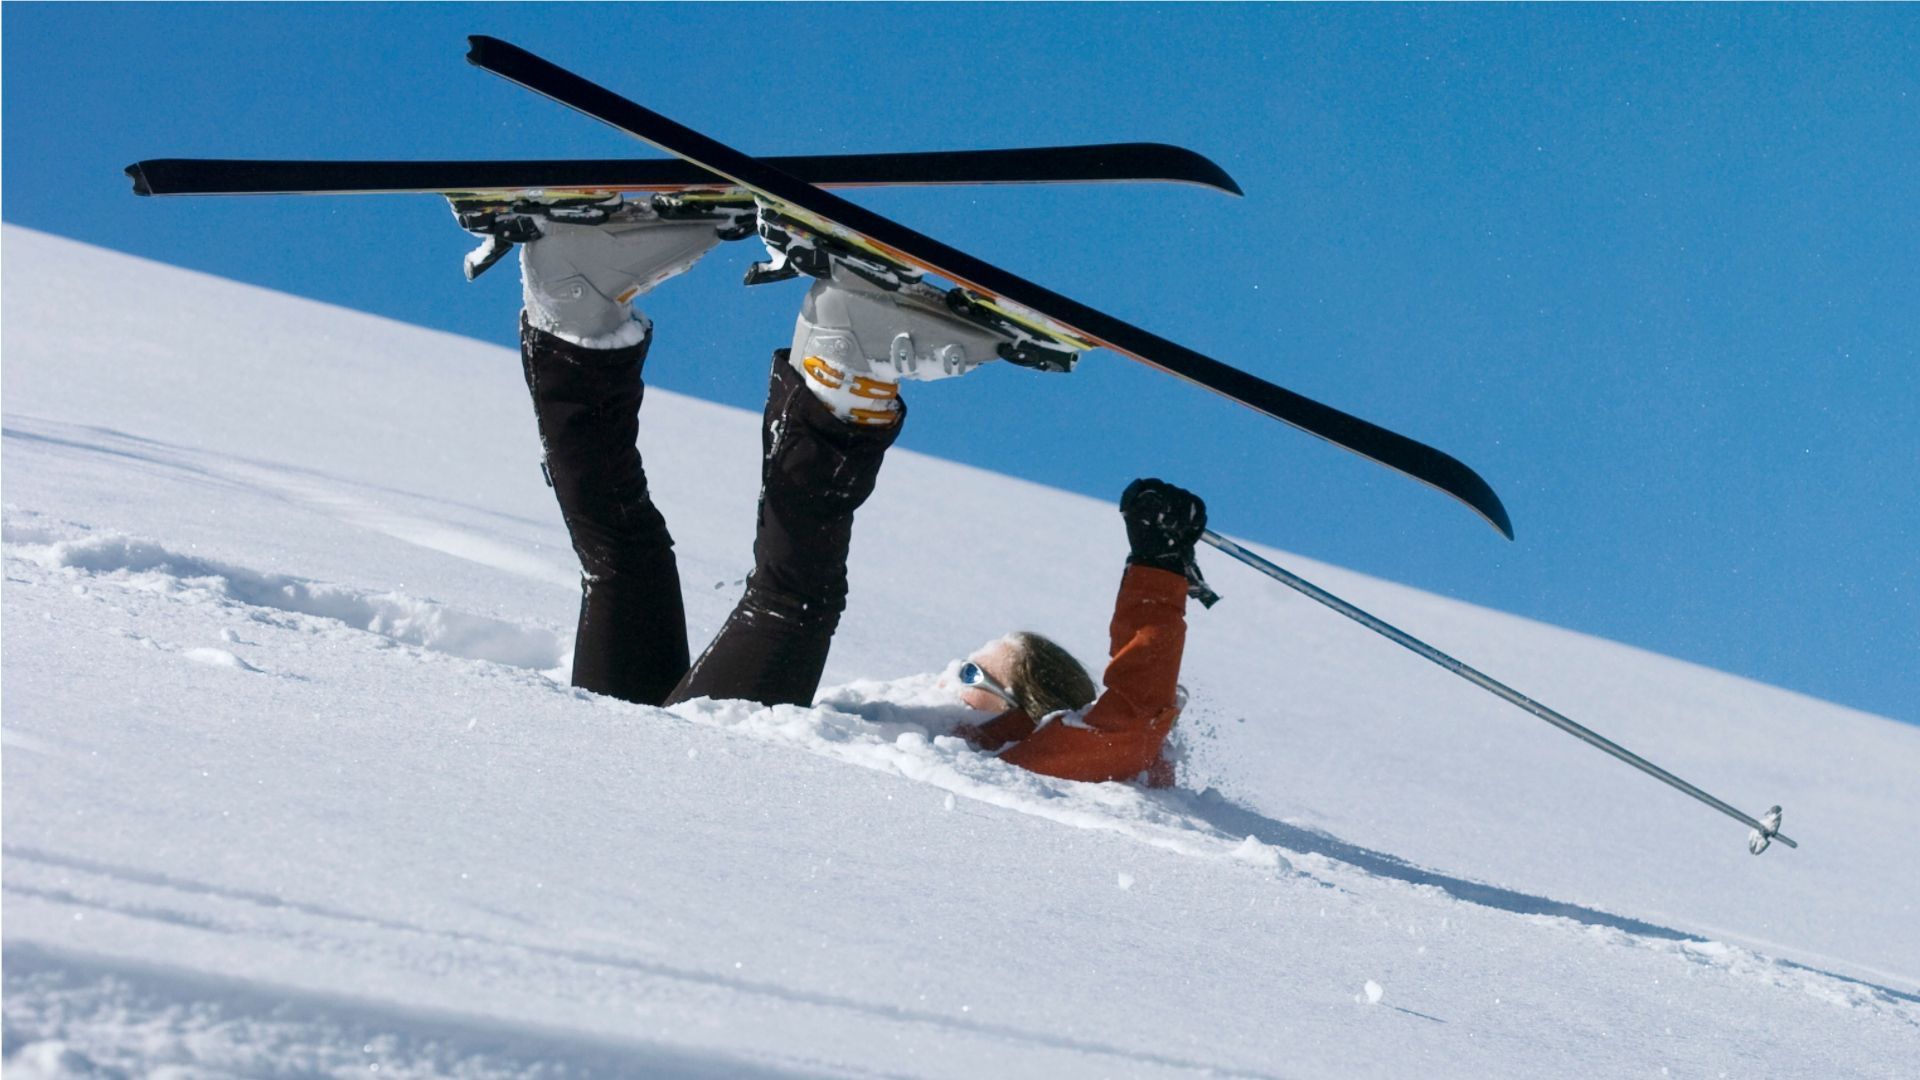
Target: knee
<point x="615" y="527"/>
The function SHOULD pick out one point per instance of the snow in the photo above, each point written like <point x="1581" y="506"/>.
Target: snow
<point x="293" y="784"/>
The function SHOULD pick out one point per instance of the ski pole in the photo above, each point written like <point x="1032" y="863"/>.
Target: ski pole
<point x="1765" y="830"/>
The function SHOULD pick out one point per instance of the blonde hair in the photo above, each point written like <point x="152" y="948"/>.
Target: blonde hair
<point x="1045" y="678"/>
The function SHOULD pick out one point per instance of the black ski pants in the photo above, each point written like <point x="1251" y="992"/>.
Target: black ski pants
<point x="816" y="470"/>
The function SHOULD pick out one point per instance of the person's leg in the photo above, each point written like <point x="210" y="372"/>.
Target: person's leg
<point x="817" y="469"/>
<point x="833" y="409"/>
<point x="582" y="346"/>
<point x="632" y="639"/>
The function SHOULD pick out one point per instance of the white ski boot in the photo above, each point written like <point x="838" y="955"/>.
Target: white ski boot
<point x="583" y="260"/>
<point x="870" y="322"/>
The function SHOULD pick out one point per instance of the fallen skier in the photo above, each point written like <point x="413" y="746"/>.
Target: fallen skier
<point x="1049" y="717"/>
<point x="833" y="409"/>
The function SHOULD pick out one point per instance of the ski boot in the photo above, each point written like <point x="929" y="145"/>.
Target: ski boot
<point x="586" y="255"/>
<point x="871" y="320"/>
<point x="799" y="243"/>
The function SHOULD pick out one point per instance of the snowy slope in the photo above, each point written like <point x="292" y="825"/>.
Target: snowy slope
<point x="290" y="789"/>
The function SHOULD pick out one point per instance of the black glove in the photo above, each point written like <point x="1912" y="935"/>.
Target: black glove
<point x="1163" y="524"/>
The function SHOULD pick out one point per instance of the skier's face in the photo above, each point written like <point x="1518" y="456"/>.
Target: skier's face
<point x="996" y="660"/>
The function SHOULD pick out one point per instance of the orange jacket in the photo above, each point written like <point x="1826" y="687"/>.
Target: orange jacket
<point x="1120" y="735"/>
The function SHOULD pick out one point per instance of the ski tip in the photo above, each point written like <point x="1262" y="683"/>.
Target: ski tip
<point x="1478" y="495"/>
<point x="137" y="172"/>
<point x="1203" y="169"/>
<point x="1189" y="166"/>
<point x="1454" y="477"/>
<point x="1500" y="520"/>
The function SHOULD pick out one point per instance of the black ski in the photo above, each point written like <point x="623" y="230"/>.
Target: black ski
<point x="1422" y="462"/>
<point x="1111" y="162"/>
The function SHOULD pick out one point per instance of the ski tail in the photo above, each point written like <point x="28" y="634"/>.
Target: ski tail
<point x="1405" y="455"/>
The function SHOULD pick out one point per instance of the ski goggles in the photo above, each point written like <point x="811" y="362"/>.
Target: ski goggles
<point x="975" y="676"/>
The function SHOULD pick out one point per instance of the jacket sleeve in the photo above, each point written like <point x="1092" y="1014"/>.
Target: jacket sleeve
<point x="1120" y="735"/>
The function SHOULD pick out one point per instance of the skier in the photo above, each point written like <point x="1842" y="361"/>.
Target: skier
<point x="833" y="408"/>
<point x="1049" y="719"/>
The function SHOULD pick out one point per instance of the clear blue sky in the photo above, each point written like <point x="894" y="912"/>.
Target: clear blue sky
<point x="1653" y="271"/>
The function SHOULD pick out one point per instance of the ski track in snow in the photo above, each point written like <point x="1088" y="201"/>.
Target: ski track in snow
<point x="350" y="503"/>
<point x="108" y="560"/>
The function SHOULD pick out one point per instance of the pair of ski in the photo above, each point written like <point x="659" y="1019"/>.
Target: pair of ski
<point x="794" y="189"/>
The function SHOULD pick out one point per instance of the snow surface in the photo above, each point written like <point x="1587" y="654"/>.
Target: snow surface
<point x="293" y="785"/>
